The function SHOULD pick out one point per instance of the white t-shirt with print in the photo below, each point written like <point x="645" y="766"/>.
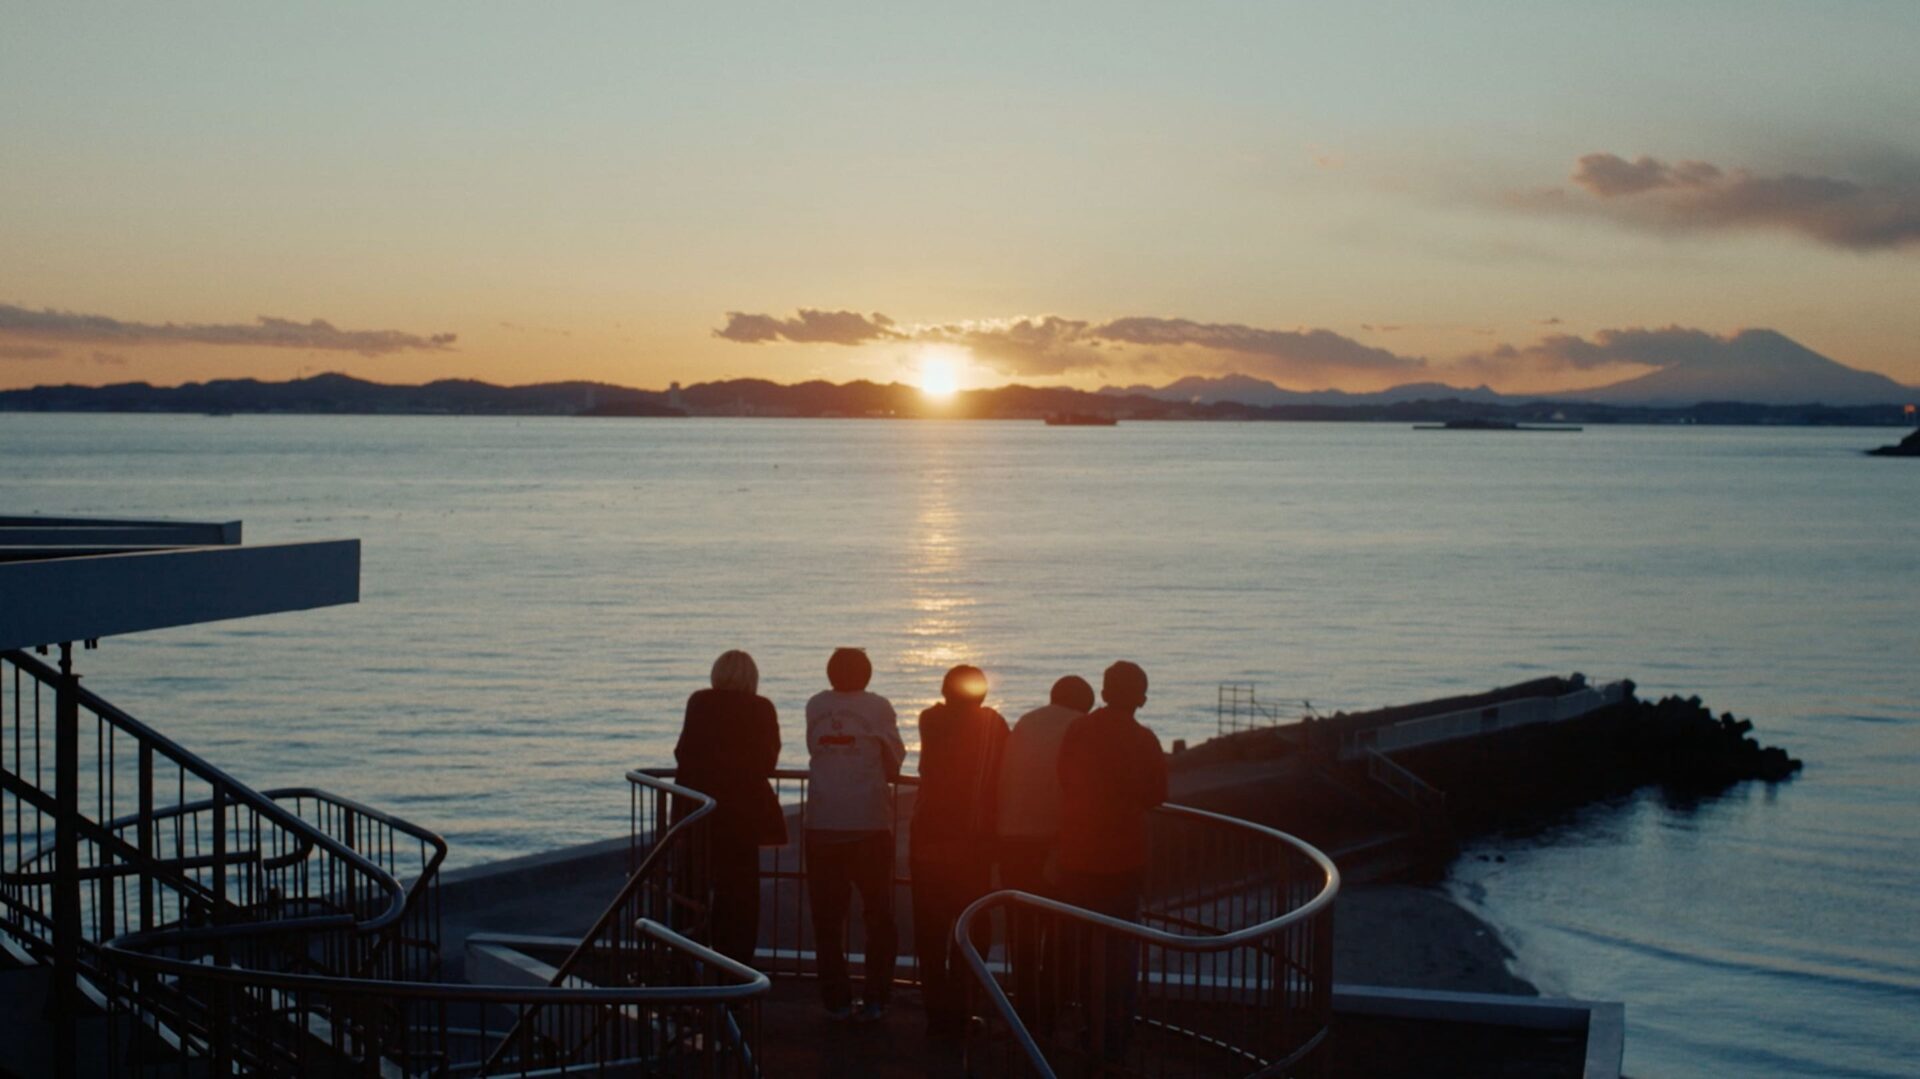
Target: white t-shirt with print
<point x="853" y="745"/>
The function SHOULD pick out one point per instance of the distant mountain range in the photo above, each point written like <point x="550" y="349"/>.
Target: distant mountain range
<point x="1758" y="367"/>
<point x="1247" y="390"/>
<point x="1753" y="377"/>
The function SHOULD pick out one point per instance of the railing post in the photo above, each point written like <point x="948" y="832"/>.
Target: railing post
<point x="146" y="835"/>
<point x="66" y="865"/>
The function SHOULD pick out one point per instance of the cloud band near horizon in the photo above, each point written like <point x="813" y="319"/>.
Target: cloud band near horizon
<point x="265" y="331"/>
<point x="1881" y="214"/>
<point x="1053" y="345"/>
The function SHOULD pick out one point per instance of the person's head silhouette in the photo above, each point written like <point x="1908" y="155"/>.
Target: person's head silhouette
<point x="735" y="671"/>
<point x="849" y="670"/>
<point x="964" y="686"/>
<point x="1124" y="686"/>
<point x="1072" y="692"/>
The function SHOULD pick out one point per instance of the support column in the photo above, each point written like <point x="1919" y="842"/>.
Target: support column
<point x="64" y="997"/>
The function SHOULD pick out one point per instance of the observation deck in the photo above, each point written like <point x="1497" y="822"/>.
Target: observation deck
<point x="179" y="922"/>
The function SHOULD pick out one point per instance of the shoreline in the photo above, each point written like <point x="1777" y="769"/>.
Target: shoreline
<point x="1413" y="936"/>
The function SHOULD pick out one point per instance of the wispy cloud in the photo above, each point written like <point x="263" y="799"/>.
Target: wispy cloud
<point x="28" y="352"/>
<point x="1048" y="345"/>
<point x="808" y="326"/>
<point x="1301" y="349"/>
<point x="1054" y="345"/>
<point x="265" y="331"/>
<point x="1858" y="214"/>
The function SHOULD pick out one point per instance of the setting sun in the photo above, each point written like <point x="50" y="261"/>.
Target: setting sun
<point x="940" y="373"/>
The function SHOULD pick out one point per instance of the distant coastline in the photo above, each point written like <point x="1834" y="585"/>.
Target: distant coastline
<point x="334" y="394"/>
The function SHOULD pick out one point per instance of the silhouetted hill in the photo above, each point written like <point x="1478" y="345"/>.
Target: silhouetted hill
<point x="327" y="393"/>
<point x="1247" y="390"/>
<point x="1756" y="367"/>
<point x="341" y="394"/>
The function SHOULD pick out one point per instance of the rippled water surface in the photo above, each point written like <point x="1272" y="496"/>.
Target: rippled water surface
<point x="539" y="597"/>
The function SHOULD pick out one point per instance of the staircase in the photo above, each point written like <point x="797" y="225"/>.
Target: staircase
<point x="157" y="915"/>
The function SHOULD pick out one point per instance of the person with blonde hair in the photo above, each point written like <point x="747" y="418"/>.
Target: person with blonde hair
<point x="729" y="747"/>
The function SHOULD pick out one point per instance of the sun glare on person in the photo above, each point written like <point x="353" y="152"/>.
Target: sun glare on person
<point x="940" y="370"/>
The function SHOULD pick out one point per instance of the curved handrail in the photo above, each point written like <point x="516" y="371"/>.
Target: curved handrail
<point x="1200" y="943"/>
<point x="128" y="946"/>
<point x="240" y="792"/>
<point x="704" y="805"/>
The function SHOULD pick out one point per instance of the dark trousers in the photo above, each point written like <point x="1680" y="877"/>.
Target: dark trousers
<point x="1111" y="961"/>
<point x="1033" y="937"/>
<point x="736" y="897"/>
<point x="946" y="879"/>
<point x="834" y="872"/>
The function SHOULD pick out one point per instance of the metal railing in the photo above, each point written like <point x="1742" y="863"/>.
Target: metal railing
<point x="1238" y="707"/>
<point x="294" y="932"/>
<point x="1226" y="970"/>
<point x="785" y="939"/>
<point x="108" y="828"/>
<point x="1428" y="801"/>
<point x="1232" y="951"/>
<point x="667" y="895"/>
<point x="683" y="1010"/>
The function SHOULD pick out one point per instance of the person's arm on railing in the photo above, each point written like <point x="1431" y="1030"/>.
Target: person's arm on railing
<point x="1151" y="776"/>
<point x="688" y="751"/>
<point x="892" y="749"/>
<point x="765" y="748"/>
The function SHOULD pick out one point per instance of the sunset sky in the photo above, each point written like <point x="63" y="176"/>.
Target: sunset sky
<point x="1348" y="196"/>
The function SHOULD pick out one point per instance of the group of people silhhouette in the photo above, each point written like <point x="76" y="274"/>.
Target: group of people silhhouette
<point x="1056" y="805"/>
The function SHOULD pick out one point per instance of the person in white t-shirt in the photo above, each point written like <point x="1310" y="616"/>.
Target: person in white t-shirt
<point x="854" y="751"/>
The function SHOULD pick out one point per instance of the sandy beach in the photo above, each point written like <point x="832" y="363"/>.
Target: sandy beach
<point x="1415" y="937"/>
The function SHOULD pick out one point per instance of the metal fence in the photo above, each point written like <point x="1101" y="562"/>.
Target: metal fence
<point x="108" y="829"/>
<point x="294" y="932"/>
<point x="785" y="938"/>
<point x="1238" y="707"/>
<point x="1227" y="969"/>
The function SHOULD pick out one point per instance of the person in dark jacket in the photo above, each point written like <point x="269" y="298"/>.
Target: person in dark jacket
<point x="1112" y="774"/>
<point x="729" y="747"/>
<point x="953" y="838"/>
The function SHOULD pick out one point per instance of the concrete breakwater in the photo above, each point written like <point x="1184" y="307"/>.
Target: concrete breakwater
<point x="1389" y="792"/>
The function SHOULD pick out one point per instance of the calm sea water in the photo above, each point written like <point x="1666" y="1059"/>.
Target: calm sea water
<point x="539" y="597"/>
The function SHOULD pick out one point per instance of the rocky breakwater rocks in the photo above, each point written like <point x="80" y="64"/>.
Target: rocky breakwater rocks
<point x="1907" y="447"/>
<point x="1676" y="743"/>
<point x="1682" y="745"/>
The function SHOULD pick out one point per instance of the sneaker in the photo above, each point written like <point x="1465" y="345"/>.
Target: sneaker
<point x="839" y="1013"/>
<point x="871" y="1012"/>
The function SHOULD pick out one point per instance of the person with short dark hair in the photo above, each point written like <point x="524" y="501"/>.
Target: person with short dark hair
<point x="728" y="749"/>
<point x="1112" y="773"/>
<point x="951" y="845"/>
<point x="1029" y="819"/>
<point x="855" y="752"/>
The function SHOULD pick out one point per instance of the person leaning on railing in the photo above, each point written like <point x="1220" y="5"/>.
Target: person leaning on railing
<point x="1112" y="773"/>
<point x="854" y="752"/>
<point x="952" y="844"/>
<point x="729" y="747"/>
<point x="1029" y="822"/>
